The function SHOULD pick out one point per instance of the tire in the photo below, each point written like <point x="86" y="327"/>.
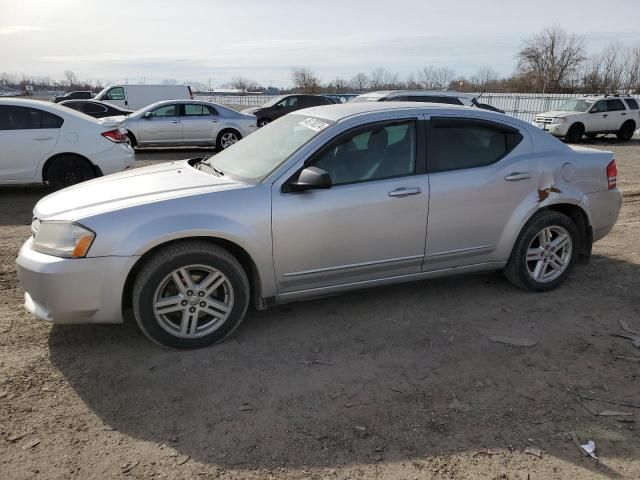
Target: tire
<point x="226" y="138"/>
<point x="575" y="132"/>
<point x="263" y="121"/>
<point x="626" y="131"/>
<point x="68" y="170"/>
<point x="186" y="320"/>
<point x="521" y="268"/>
<point x="132" y="139"/>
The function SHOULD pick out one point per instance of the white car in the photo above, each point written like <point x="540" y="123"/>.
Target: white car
<point x="178" y="123"/>
<point x="591" y="116"/>
<point x="45" y="142"/>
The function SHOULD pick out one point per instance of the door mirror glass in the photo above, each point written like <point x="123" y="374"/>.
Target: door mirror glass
<point x="310" y="178"/>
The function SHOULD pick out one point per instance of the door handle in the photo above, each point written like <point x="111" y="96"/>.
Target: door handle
<point x="175" y="121"/>
<point x="40" y="139"/>
<point x="215" y="121"/>
<point x="517" y="176"/>
<point x="404" y="192"/>
<point x="605" y="115"/>
<point x="623" y="113"/>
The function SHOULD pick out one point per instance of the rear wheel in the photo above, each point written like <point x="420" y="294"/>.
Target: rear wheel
<point x="575" y="132"/>
<point x="190" y="295"/>
<point x="544" y="253"/>
<point x="226" y="138"/>
<point x="68" y="170"/>
<point x="132" y="140"/>
<point x="626" y="131"/>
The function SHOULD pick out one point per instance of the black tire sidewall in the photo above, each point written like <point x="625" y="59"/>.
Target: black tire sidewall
<point x="146" y="284"/>
<point x="625" y="134"/>
<point x="59" y="165"/>
<point x="575" y="133"/>
<point x="546" y="219"/>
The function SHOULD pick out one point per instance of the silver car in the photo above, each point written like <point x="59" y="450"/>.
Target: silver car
<point x="177" y="123"/>
<point x="321" y="201"/>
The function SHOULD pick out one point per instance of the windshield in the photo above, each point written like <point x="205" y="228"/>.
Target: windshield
<point x="273" y="101"/>
<point x="576" y="105"/>
<point x="259" y="154"/>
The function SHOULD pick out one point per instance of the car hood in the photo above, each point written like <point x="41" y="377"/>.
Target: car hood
<point x="250" y="110"/>
<point x="558" y="114"/>
<point x="130" y="188"/>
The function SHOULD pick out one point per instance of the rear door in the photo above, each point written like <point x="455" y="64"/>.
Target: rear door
<point x="200" y="123"/>
<point x="27" y="136"/>
<point x="480" y="172"/>
<point x="163" y="127"/>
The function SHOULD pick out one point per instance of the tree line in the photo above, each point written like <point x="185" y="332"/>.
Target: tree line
<point x="551" y="61"/>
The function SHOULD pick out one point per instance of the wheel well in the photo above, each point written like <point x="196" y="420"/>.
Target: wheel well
<point x="50" y="160"/>
<point x="133" y="137"/>
<point x="245" y="260"/>
<point x="579" y="217"/>
<point x="578" y="124"/>
<point x="632" y="122"/>
<point x="229" y="129"/>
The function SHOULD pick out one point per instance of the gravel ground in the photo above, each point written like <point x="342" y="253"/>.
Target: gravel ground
<point x="399" y="382"/>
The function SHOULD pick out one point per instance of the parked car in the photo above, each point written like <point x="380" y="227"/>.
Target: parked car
<point x="279" y="106"/>
<point x="44" y="142"/>
<point x="450" y="98"/>
<point x="321" y="201"/>
<point x="95" y="109"/>
<point x="134" y="97"/>
<point x="176" y="123"/>
<point x="591" y="116"/>
<point x="72" y="96"/>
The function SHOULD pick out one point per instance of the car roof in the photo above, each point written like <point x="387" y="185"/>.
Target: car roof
<point x="56" y="108"/>
<point x="391" y="93"/>
<point x="337" y="112"/>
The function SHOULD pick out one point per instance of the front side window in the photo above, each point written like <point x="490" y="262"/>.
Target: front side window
<point x="371" y="153"/>
<point x="116" y="93"/>
<point x="599" y="107"/>
<point x="197" y="110"/>
<point x="457" y="143"/>
<point x="165" y="111"/>
<point x="25" y="118"/>
<point x="289" y="102"/>
<point x="615" y="105"/>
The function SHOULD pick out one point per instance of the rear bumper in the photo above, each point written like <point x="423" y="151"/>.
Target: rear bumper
<point x="604" y="208"/>
<point x="116" y="159"/>
<point x="62" y="290"/>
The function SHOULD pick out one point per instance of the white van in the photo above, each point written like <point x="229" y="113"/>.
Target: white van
<point x="133" y="97"/>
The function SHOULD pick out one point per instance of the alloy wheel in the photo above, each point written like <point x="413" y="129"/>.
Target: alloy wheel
<point x="228" y="139"/>
<point x="549" y="254"/>
<point x="193" y="301"/>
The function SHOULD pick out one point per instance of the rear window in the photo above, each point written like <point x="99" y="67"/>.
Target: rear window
<point x="631" y="102"/>
<point x="26" y="118"/>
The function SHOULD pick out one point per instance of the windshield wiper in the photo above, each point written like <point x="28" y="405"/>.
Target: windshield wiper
<point x="217" y="170"/>
<point x="205" y="162"/>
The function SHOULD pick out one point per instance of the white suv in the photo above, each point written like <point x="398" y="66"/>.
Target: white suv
<point x="591" y="116"/>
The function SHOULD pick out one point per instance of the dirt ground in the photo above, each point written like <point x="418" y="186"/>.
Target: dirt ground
<point x="399" y="382"/>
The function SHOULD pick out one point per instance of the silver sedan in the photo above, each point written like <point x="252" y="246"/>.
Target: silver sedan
<point x="321" y="201"/>
<point x="176" y="123"/>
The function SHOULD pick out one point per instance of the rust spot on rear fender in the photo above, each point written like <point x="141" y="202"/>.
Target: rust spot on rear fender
<point x="545" y="192"/>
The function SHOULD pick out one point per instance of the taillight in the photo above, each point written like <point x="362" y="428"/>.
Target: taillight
<point x="116" y="136"/>
<point x="612" y="174"/>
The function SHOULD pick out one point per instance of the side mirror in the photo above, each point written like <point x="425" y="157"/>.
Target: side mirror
<point x="148" y="115"/>
<point x="310" y="178"/>
<point x="279" y="106"/>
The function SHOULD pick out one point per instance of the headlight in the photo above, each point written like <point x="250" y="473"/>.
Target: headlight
<point x="61" y="239"/>
<point x="558" y="120"/>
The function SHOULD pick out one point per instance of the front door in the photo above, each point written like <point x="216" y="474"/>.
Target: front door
<point x="116" y="96"/>
<point x="200" y="124"/>
<point x="598" y="117"/>
<point x="370" y="224"/>
<point x="162" y="127"/>
<point x="480" y="174"/>
<point x="27" y="136"/>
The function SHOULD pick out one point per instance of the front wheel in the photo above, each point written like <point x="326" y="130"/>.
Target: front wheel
<point x="190" y="295"/>
<point x="227" y="138"/>
<point x="544" y="253"/>
<point x="575" y="132"/>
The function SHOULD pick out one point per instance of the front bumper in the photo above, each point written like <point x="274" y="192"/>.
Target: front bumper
<point x="555" y="129"/>
<point x="63" y="290"/>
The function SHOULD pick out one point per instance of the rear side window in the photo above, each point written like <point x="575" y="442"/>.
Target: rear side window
<point x="94" y="108"/>
<point x="457" y="143"/>
<point x="614" y="105"/>
<point x="198" y="110"/>
<point x="312" y="101"/>
<point x="25" y="118"/>
<point x="631" y="102"/>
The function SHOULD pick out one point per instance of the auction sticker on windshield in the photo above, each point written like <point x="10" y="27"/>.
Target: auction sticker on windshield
<point x="314" y="124"/>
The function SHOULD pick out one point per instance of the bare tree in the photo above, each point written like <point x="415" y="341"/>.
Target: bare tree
<point x="427" y="77"/>
<point x="245" y="84"/>
<point x="443" y="77"/>
<point x="305" y="80"/>
<point x="432" y="78"/>
<point x="381" y="78"/>
<point x="339" y="85"/>
<point x="632" y="70"/>
<point x="360" y="82"/>
<point x="551" y="57"/>
<point x="70" y="78"/>
<point x="484" y="77"/>
<point x="411" y="83"/>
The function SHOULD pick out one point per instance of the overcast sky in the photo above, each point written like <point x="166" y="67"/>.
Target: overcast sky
<point x="262" y="39"/>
